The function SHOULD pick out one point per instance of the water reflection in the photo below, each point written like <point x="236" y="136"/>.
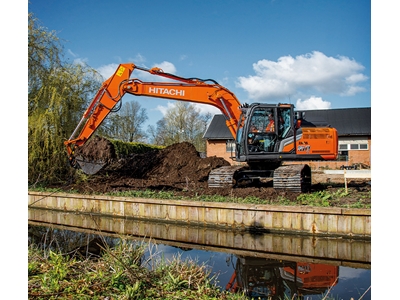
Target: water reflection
<point x="265" y="266"/>
<point x="280" y="279"/>
<point x="275" y="279"/>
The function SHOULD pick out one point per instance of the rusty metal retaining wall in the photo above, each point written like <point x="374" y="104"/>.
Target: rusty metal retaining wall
<point x="353" y="223"/>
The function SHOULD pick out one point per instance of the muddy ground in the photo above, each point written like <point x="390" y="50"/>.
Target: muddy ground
<point x="180" y="169"/>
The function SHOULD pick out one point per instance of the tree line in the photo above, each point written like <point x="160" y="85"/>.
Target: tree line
<point x="59" y="92"/>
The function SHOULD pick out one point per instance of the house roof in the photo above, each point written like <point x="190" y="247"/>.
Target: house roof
<point x="347" y="121"/>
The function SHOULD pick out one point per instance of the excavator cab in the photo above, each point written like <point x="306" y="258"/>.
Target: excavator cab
<point x="264" y="130"/>
<point x="270" y="134"/>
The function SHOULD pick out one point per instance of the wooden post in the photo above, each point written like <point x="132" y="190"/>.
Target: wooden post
<point x="355" y="174"/>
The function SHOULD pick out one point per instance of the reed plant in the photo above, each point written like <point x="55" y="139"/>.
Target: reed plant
<point x="122" y="271"/>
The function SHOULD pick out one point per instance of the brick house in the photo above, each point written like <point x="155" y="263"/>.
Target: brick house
<point x="353" y="126"/>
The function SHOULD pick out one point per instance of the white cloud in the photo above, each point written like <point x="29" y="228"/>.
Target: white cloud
<point x="206" y="108"/>
<point x="71" y="53"/>
<point x="203" y="108"/>
<point x="312" y="72"/>
<point x="80" y="61"/>
<point x="167" y="67"/>
<point x="76" y="59"/>
<point x="312" y="103"/>
<point x="350" y="273"/>
<point x="107" y="70"/>
<point x="138" y="60"/>
<point x="164" y="108"/>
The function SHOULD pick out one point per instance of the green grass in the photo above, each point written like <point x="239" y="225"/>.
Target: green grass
<point x="122" y="272"/>
<point x="319" y="198"/>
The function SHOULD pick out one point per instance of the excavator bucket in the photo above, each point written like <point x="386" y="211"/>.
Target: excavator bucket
<point x="89" y="167"/>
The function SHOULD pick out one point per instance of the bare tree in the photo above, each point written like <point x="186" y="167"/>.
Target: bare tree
<point x="182" y="123"/>
<point x="126" y="124"/>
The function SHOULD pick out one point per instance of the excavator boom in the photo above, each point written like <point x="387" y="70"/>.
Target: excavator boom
<point x="114" y="88"/>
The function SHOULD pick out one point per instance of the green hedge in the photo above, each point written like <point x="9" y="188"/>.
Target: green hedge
<point x="124" y="148"/>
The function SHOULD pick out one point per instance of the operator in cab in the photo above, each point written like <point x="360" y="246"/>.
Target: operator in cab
<point x="271" y="125"/>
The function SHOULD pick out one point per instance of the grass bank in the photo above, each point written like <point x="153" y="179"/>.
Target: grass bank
<point x="120" y="272"/>
<point x="323" y="198"/>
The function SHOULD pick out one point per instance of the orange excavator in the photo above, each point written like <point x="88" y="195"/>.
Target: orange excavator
<point x="266" y="135"/>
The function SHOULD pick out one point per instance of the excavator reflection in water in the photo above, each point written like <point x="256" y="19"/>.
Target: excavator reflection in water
<point x="263" y="278"/>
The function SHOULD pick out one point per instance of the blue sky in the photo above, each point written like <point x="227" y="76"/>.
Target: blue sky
<point x="312" y="53"/>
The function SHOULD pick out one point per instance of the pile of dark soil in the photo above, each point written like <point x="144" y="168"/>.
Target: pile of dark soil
<point x="97" y="149"/>
<point x="177" y="168"/>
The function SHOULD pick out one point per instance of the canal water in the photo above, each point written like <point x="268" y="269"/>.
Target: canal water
<point x="258" y="263"/>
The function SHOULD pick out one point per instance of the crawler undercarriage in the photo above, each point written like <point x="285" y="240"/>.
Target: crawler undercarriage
<point x="293" y="178"/>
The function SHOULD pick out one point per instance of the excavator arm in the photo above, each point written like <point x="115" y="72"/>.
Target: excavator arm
<point x="183" y="89"/>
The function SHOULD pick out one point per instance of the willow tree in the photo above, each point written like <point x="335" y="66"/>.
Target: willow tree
<point x="58" y="93"/>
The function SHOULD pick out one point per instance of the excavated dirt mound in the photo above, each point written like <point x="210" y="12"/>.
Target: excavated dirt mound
<point x="97" y="149"/>
<point x="180" y="169"/>
<point x="176" y="164"/>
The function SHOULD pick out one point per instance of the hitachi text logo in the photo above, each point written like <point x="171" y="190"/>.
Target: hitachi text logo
<point x="165" y="91"/>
